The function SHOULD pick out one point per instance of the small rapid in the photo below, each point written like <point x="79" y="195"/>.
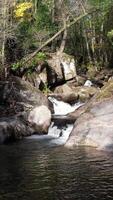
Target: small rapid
<point x="62" y="108"/>
<point x="58" y="132"/>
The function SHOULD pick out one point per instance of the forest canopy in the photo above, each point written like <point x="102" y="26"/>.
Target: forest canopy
<point x="82" y="28"/>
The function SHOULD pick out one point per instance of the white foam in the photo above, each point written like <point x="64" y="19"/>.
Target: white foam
<point x="88" y="83"/>
<point x="62" y="108"/>
<point x="64" y="132"/>
<point x="58" y="135"/>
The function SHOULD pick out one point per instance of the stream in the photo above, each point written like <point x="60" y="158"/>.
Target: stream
<point x="41" y="168"/>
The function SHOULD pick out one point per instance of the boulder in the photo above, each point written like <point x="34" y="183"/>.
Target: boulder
<point x="61" y="67"/>
<point x="13" y="128"/>
<point x="71" y="93"/>
<point x="94" y="124"/>
<point x="38" y="78"/>
<point x="84" y="93"/>
<point x="40" y="119"/>
<point x="65" y="93"/>
<point x="94" y="127"/>
<point x="58" y="68"/>
<point x="17" y="98"/>
<point x="21" y="93"/>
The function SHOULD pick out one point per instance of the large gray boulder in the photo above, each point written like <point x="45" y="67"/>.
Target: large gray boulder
<point x="13" y="128"/>
<point x="17" y="99"/>
<point x="61" y="67"/>
<point x="40" y="119"/>
<point x="94" y="125"/>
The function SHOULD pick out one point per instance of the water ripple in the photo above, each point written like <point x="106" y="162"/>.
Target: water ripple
<point x="32" y="170"/>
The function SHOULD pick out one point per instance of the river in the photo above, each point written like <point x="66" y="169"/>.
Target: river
<point x="32" y="169"/>
<point x="41" y="168"/>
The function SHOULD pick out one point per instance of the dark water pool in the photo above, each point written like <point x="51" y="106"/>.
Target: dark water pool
<point x="33" y="170"/>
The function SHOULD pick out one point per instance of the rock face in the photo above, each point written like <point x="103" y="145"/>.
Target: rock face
<point x="25" y="92"/>
<point x="94" y="126"/>
<point x="38" y="77"/>
<point x="61" y="67"/>
<point x="40" y="119"/>
<point x="58" y="68"/>
<point x="13" y="128"/>
<point x="17" y="98"/>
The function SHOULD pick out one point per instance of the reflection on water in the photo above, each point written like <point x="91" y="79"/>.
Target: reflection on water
<point x="32" y="170"/>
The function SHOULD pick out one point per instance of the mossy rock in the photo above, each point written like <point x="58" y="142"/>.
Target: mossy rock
<point x="106" y="91"/>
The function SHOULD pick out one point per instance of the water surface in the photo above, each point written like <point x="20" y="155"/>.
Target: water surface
<point x="33" y="169"/>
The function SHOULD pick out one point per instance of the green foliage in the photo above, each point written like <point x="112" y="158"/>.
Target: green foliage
<point x="43" y="18"/>
<point x="31" y="33"/>
<point x="35" y="21"/>
<point x="46" y="89"/>
<point x="16" y="66"/>
<point x="110" y="34"/>
<point x="40" y="56"/>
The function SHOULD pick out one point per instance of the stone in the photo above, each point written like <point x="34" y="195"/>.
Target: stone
<point x="40" y="119"/>
<point x="22" y="92"/>
<point x="61" y="67"/>
<point x="17" y="98"/>
<point x="88" y="83"/>
<point x="68" y="65"/>
<point x="65" y="93"/>
<point x="94" y="121"/>
<point x="94" y="127"/>
<point x="71" y="94"/>
<point x="13" y="128"/>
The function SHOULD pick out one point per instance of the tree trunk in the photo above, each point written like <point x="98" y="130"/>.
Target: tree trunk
<point x="4" y="13"/>
<point x="54" y="36"/>
<point x="63" y="42"/>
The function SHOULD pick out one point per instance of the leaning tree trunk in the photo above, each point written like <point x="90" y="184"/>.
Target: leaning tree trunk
<point x="32" y="55"/>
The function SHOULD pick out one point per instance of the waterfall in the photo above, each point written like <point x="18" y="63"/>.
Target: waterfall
<point x="58" y="133"/>
<point x="62" y="108"/>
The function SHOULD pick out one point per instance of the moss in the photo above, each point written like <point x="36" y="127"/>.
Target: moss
<point x="106" y="91"/>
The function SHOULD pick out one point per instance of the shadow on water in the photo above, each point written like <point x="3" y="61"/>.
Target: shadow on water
<point x="32" y="169"/>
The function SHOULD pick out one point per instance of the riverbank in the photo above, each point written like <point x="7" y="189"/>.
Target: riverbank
<point x="26" y="110"/>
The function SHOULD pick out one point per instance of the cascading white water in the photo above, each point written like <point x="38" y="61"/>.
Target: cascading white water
<point x="58" y="134"/>
<point x="62" y="108"/>
<point x="61" y="133"/>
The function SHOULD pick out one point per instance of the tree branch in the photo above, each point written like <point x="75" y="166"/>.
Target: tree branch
<point x="54" y="36"/>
